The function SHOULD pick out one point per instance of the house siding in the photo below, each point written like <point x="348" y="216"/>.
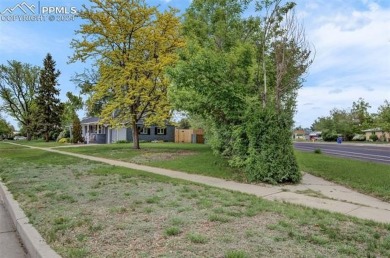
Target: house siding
<point x="112" y="135"/>
<point x="381" y="135"/>
<point x="169" y="135"/>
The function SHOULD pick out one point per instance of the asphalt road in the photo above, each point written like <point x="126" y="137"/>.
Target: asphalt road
<point x="379" y="154"/>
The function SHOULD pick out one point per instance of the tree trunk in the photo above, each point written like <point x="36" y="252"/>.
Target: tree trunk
<point x="47" y="136"/>
<point x="135" y="135"/>
<point x="29" y="136"/>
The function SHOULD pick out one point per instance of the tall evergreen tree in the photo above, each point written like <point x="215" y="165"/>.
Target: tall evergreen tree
<point x="76" y="130"/>
<point x="48" y="103"/>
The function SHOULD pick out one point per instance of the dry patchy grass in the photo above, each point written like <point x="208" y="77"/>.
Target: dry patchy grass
<point x="86" y="209"/>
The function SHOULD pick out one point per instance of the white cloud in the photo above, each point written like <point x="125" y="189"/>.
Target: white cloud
<point x="352" y="60"/>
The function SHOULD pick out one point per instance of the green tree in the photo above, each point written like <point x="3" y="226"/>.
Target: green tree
<point x="134" y="44"/>
<point x="87" y="81"/>
<point x="73" y="104"/>
<point x="18" y="85"/>
<point x="6" y="129"/>
<point x="322" y="123"/>
<point x="384" y="116"/>
<point x="76" y="130"/>
<point x="242" y="85"/>
<point x="361" y="118"/>
<point x="48" y="104"/>
<point x="184" y="123"/>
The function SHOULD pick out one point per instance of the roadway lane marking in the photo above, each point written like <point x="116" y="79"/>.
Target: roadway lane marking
<point x="379" y="148"/>
<point x="357" y="153"/>
<point x="352" y="155"/>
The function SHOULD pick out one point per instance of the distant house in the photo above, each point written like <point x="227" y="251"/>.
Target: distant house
<point x="313" y="136"/>
<point x="382" y="135"/>
<point x="94" y="132"/>
<point x="299" y="135"/>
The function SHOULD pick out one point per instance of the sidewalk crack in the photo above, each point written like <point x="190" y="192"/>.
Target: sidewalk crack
<point x="354" y="210"/>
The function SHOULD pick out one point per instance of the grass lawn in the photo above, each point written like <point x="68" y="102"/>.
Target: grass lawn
<point x="191" y="158"/>
<point x="40" y="143"/>
<point x="87" y="209"/>
<point x="366" y="177"/>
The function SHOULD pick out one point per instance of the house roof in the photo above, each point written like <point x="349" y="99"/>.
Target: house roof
<point x="95" y="120"/>
<point x="314" y="133"/>
<point x="373" y="130"/>
<point x="90" y="120"/>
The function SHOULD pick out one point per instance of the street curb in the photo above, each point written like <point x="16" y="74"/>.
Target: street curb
<point x="35" y="245"/>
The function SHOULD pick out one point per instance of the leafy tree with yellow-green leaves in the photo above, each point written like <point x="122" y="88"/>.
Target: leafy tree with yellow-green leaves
<point x="132" y="44"/>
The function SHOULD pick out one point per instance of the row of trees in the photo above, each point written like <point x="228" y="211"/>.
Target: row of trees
<point x="351" y="122"/>
<point x="239" y="75"/>
<point x="30" y="95"/>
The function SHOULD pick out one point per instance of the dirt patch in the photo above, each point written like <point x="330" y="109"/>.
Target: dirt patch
<point x="149" y="157"/>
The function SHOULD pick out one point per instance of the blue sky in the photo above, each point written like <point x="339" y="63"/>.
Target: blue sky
<point x="351" y="40"/>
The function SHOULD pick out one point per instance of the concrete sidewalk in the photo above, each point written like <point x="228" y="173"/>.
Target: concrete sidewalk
<point x="10" y="246"/>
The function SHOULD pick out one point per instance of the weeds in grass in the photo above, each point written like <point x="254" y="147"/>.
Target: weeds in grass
<point x="148" y="210"/>
<point x="77" y="253"/>
<point x="219" y="218"/>
<point x="312" y="193"/>
<point x="177" y="221"/>
<point x="172" y="231"/>
<point x="197" y="238"/>
<point x="153" y="199"/>
<point x="236" y="254"/>
<point x="119" y="210"/>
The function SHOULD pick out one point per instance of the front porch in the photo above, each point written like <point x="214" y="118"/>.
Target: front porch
<point x="93" y="132"/>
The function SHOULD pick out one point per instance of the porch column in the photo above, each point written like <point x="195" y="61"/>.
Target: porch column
<point x="87" y="135"/>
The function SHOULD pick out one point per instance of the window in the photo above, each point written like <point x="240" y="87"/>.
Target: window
<point x="144" y="130"/>
<point x="160" y="130"/>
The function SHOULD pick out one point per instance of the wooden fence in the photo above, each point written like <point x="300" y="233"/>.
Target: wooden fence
<point x="189" y="136"/>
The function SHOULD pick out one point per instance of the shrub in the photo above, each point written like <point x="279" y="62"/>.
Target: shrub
<point x="53" y="135"/>
<point x="329" y="136"/>
<point x="270" y="155"/>
<point x="121" y="141"/>
<point x="374" y="137"/>
<point x="64" y="134"/>
<point x="63" y="140"/>
<point x="317" y="151"/>
<point x="359" y="137"/>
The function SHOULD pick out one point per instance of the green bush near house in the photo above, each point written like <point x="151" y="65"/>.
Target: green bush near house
<point x="374" y="137"/>
<point x="329" y="136"/>
<point x="64" y="140"/>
